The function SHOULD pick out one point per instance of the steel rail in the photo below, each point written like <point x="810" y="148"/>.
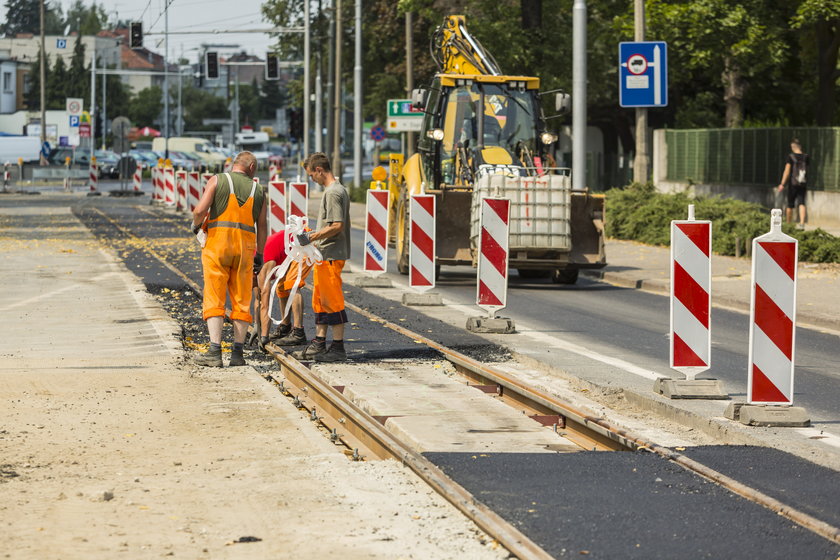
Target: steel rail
<point x="510" y="537"/>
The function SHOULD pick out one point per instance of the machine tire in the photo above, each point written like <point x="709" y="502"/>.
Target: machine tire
<point x="402" y="235"/>
<point x="531" y="274"/>
<point x="565" y="276"/>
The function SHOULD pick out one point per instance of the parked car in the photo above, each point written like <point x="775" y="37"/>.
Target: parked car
<point x="177" y="160"/>
<point x="80" y="159"/>
<point x="147" y="158"/>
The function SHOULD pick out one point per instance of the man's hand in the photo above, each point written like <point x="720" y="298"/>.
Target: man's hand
<point x="196" y="229"/>
<point x="258" y="262"/>
<point x="303" y="239"/>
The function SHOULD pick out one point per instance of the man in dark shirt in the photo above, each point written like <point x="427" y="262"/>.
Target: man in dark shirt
<point x="796" y="167"/>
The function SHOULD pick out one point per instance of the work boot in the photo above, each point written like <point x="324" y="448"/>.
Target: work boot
<point x="294" y="338"/>
<point x="264" y="341"/>
<point x="315" y="347"/>
<point x="336" y="353"/>
<point x="237" y="359"/>
<point x="209" y="359"/>
<point x="282" y="330"/>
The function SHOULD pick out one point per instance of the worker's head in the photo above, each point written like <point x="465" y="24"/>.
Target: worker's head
<point x="246" y="163"/>
<point x="795" y="145"/>
<point x="318" y="167"/>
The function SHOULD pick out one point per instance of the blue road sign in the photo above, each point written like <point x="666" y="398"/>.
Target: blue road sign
<point x="377" y="133"/>
<point x="46" y="149"/>
<point x="643" y="74"/>
<point x="74" y="121"/>
<point x="61" y="43"/>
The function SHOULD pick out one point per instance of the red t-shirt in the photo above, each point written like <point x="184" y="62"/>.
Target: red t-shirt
<point x="275" y="248"/>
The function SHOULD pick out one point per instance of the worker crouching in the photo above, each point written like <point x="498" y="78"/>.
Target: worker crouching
<point x="232" y="212"/>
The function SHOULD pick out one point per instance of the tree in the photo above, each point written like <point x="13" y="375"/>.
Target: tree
<point x="57" y="85"/>
<point x="78" y="82"/>
<point x="199" y="105"/>
<point x="86" y="20"/>
<point x="824" y="19"/>
<point x="271" y="98"/>
<point x="145" y="107"/>
<point x="33" y="96"/>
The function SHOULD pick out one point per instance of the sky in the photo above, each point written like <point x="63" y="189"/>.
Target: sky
<point x="190" y="15"/>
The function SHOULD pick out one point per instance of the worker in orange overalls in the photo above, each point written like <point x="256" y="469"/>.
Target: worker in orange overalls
<point x="233" y="207"/>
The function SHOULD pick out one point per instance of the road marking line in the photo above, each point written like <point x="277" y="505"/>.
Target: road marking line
<point x="53" y="293"/>
<point x="816" y="434"/>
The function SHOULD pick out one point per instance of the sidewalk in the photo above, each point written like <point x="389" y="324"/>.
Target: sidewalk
<point x="111" y="445"/>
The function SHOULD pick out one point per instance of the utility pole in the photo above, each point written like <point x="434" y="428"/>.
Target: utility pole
<point x="319" y="108"/>
<point x="236" y="127"/>
<point x="357" y="101"/>
<point x="166" y="79"/>
<point x="43" y="70"/>
<point x="641" y="164"/>
<point x="579" y="95"/>
<point x="409" y="72"/>
<point x="104" y="108"/>
<point x="92" y="95"/>
<point x="306" y="77"/>
<point x="330" y="74"/>
<point x="337" y="104"/>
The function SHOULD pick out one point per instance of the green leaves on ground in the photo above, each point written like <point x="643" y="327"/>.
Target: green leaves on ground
<point x="640" y="213"/>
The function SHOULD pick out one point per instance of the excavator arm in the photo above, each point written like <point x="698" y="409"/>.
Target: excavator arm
<point x="457" y="52"/>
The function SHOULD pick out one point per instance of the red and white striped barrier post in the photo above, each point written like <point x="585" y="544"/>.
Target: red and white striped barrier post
<point x="272" y="173"/>
<point x="376" y="232"/>
<point x="93" y="177"/>
<point x="298" y="199"/>
<point x="691" y="295"/>
<point x="194" y="188"/>
<point x="7" y="176"/>
<point x="169" y="185"/>
<point x="204" y="178"/>
<point x="421" y="251"/>
<point x="276" y="206"/>
<point x="156" y="190"/>
<point x="180" y="190"/>
<point x="491" y="288"/>
<point x="138" y="178"/>
<point x="773" y="316"/>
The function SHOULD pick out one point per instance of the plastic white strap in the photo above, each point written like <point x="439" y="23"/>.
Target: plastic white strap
<point x="307" y="255"/>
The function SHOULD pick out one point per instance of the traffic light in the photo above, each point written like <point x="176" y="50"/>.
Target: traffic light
<point x="211" y="65"/>
<point x="136" y="35"/>
<point x="272" y="66"/>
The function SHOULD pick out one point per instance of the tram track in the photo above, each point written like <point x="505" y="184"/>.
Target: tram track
<point x="366" y="437"/>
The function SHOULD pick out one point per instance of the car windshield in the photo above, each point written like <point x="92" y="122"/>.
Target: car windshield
<point x="105" y="156"/>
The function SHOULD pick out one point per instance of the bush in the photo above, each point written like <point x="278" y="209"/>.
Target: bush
<point x="640" y="213"/>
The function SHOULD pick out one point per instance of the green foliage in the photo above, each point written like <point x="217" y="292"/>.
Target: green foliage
<point x="640" y="213"/>
<point x="145" y="107"/>
<point x="23" y="16"/>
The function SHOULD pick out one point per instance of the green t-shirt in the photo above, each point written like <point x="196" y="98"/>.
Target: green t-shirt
<point x="241" y="188"/>
<point x="335" y="207"/>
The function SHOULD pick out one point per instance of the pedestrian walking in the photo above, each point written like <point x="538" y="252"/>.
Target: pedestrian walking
<point x="232" y="212"/>
<point x="332" y="237"/>
<point x="796" y="170"/>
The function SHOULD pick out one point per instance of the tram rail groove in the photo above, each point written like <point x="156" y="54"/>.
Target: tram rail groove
<point x="511" y="390"/>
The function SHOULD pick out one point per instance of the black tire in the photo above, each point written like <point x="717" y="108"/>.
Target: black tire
<point x="565" y="276"/>
<point x="531" y="274"/>
<point x="402" y="249"/>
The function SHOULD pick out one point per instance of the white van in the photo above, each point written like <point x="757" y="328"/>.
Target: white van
<point x="199" y="146"/>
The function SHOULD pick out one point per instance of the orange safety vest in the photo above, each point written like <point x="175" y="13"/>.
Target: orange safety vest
<point x="233" y="233"/>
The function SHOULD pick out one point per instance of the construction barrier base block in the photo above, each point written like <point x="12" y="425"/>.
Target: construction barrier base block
<point x="768" y="415"/>
<point x="373" y="282"/>
<point x="94" y="193"/>
<point x="496" y="325"/>
<point x="427" y="298"/>
<point x="711" y="389"/>
<point x="125" y="193"/>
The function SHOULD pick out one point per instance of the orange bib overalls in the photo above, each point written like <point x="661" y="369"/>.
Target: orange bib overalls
<point x="228" y="258"/>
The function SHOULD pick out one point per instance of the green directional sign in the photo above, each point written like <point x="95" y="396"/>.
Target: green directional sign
<point x="402" y="108"/>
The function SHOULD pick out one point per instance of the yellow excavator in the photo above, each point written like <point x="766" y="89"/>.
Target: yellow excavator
<point x="484" y="134"/>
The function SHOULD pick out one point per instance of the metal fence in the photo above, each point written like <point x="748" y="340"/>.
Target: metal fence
<point x="752" y="156"/>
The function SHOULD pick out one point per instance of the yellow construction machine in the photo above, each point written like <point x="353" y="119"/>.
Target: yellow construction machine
<point x="484" y="134"/>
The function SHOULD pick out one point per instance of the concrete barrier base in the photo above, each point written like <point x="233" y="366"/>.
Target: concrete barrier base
<point x="428" y="298"/>
<point x="373" y="282"/>
<point x="776" y="416"/>
<point x="690" y="388"/>
<point x="496" y="325"/>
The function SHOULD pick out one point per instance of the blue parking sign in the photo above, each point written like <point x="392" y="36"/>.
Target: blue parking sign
<point x="643" y="74"/>
<point x="74" y="121"/>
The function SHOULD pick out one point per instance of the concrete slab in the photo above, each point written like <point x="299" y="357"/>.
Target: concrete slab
<point x="768" y="415"/>
<point x="690" y="388"/>
<point x="427" y="298"/>
<point x="364" y="281"/>
<point x="496" y="325"/>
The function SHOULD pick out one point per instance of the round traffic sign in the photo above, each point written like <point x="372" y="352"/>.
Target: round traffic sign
<point x="637" y="64"/>
<point x="74" y="107"/>
<point x="377" y="133"/>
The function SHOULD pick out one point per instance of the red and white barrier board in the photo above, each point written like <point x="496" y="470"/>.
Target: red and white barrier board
<point x="93" y="175"/>
<point x="157" y="185"/>
<point x="204" y="178"/>
<point x="272" y="172"/>
<point x="169" y="185"/>
<point x="491" y="289"/>
<point x="772" y="316"/>
<point x="298" y="199"/>
<point x="376" y="232"/>
<point x="276" y="206"/>
<point x="193" y="190"/>
<point x="691" y="295"/>
<point x="421" y="251"/>
<point x="138" y="178"/>
<point x="180" y="190"/>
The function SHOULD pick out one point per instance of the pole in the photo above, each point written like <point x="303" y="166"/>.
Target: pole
<point x="357" y="101"/>
<point x="319" y="108"/>
<point x="641" y="164"/>
<point x="43" y="70"/>
<point x="330" y="74"/>
<point x="166" y="78"/>
<point x="104" y="109"/>
<point x="579" y="95"/>
<point x="409" y="73"/>
<point x="92" y="93"/>
<point x="337" y="104"/>
<point x="180" y="125"/>
<point x="236" y="127"/>
<point x="307" y="55"/>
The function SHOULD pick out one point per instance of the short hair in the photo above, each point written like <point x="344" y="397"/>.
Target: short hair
<point x="245" y="159"/>
<point x="796" y="141"/>
<point x="317" y="159"/>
